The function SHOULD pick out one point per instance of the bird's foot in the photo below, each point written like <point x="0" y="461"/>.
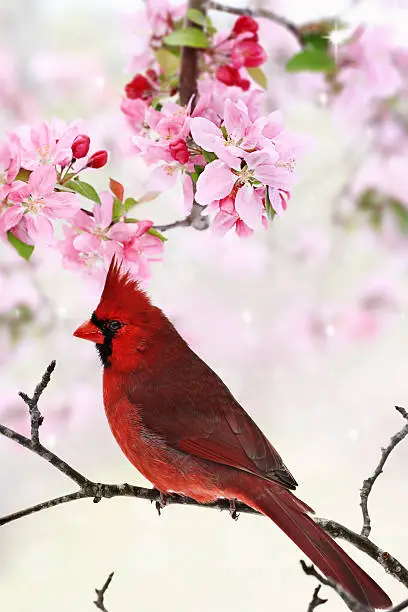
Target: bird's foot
<point x="232" y="510"/>
<point x="161" y="502"/>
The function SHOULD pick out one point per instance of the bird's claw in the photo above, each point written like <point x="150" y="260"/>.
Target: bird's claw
<point x="161" y="502"/>
<point x="232" y="510"/>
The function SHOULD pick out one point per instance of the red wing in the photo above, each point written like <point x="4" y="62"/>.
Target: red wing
<point x="193" y="411"/>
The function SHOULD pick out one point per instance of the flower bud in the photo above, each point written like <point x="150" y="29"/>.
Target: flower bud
<point x="139" y="87"/>
<point x="178" y="150"/>
<point x="247" y="53"/>
<point x="230" y="76"/>
<point x="97" y="159"/>
<point x="245" y="23"/>
<point x="80" y="146"/>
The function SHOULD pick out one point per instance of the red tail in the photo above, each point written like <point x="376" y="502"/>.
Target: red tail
<point x="289" y="513"/>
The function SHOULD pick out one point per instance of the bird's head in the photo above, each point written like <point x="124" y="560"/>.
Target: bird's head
<point x="123" y="323"/>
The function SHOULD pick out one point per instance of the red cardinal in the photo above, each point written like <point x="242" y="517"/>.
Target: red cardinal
<point x="179" y="425"/>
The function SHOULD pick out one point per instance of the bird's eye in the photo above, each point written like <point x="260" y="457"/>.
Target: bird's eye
<point x="113" y="325"/>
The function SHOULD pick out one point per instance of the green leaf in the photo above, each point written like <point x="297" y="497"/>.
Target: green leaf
<point x="316" y="40"/>
<point x="23" y="249"/>
<point x="401" y="214"/>
<point x="155" y="232"/>
<point x="129" y="203"/>
<point x="312" y="60"/>
<point x="168" y="61"/>
<point x="258" y="76"/>
<point x="23" y="175"/>
<point x="188" y="37"/>
<point x="268" y="206"/>
<point x="198" y="169"/>
<point x="118" y="209"/>
<point x="84" y="189"/>
<point x="209" y="157"/>
<point x="198" y="17"/>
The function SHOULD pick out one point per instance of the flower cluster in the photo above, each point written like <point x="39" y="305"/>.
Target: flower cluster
<point x="39" y="184"/>
<point x="233" y="160"/>
<point x="240" y="49"/>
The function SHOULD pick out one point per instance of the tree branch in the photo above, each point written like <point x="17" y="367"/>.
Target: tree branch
<point x="98" y="491"/>
<point x="189" y="59"/>
<point x="316" y="600"/>
<point x="369" y="482"/>
<point x="100" y="594"/>
<point x="195" y="219"/>
<point x="349" y="600"/>
<point x="258" y="12"/>
<point x="390" y="564"/>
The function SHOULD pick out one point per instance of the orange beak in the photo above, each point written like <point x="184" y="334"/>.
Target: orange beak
<point x="89" y="331"/>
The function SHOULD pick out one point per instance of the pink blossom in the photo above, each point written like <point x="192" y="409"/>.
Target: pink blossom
<point x="37" y="204"/>
<point x="172" y="121"/>
<point x="370" y="54"/>
<point x="9" y="167"/>
<point x="134" y="111"/>
<point x="94" y="230"/>
<point x="213" y="95"/>
<point x="215" y="183"/>
<point x="249" y="206"/>
<point x="47" y="144"/>
<point x="228" y="215"/>
<point x="92" y="241"/>
<point x="138" y="248"/>
<point x="210" y="138"/>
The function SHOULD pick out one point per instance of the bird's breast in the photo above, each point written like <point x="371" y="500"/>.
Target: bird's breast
<point x="164" y="466"/>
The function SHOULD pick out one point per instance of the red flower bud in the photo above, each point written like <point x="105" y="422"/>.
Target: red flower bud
<point x="244" y="84"/>
<point x="247" y="53"/>
<point x="178" y="150"/>
<point x="139" y="87"/>
<point x="230" y="76"/>
<point x="80" y="146"/>
<point x="245" y="23"/>
<point x="97" y="159"/>
<point x="152" y="75"/>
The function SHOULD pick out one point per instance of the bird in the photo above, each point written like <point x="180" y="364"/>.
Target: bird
<point x="181" y="427"/>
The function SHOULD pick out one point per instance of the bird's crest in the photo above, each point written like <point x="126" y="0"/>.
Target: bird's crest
<point x="122" y="293"/>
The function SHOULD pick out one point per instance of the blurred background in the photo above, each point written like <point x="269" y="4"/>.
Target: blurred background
<point x="306" y="323"/>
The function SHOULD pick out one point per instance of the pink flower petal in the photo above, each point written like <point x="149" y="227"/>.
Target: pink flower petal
<point x="249" y="206"/>
<point x="223" y="222"/>
<point x="39" y="228"/>
<point x="205" y="133"/>
<point x="214" y="183"/>
<point x="11" y="217"/>
<point x="42" y="180"/>
<point x="188" y="193"/>
<point x="103" y="212"/>
<point x="86" y="243"/>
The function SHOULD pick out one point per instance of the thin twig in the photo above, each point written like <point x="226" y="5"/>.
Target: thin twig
<point x="32" y="403"/>
<point x="350" y="601"/>
<point x="100" y="594"/>
<point x="195" y="219"/>
<point x="258" y="12"/>
<point x="98" y="491"/>
<point x="369" y="482"/>
<point x="389" y="563"/>
<point x="316" y="600"/>
<point x="399" y="607"/>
